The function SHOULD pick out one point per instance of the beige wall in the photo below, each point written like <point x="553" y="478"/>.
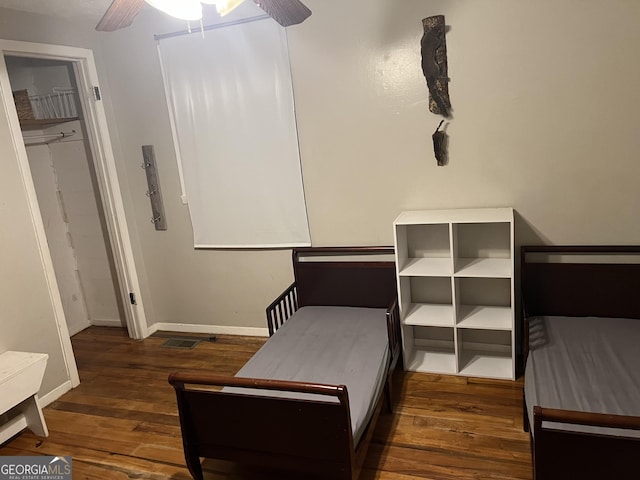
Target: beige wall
<point x="205" y="287"/>
<point x="545" y="113"/>
<point x="545" y="108"/>
<point x="545" y="103"/>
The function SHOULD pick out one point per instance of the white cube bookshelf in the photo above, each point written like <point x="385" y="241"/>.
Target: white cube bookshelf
<point x="455" y="272"/>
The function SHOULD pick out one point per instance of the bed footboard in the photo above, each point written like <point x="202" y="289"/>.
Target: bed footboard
<point x="303" y="435"/>
<point x="562" y="454"/>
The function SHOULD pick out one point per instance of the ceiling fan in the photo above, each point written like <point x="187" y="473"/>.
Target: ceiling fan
<point x="121" y="13"/>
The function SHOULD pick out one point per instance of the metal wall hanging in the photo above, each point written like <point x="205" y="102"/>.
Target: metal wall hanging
<point x="157" y="208"/>
<point x="434" y="67"/>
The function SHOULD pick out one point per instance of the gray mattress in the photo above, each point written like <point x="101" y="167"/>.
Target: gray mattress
<point x="331" y="345"/>
<point x="584" y="364"/>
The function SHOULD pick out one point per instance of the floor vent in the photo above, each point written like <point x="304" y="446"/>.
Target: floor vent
<point x="180" y="343"/>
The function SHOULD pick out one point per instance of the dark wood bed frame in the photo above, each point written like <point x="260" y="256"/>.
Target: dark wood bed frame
<point x="580" y="289"/>
<point x="310" y="437"/>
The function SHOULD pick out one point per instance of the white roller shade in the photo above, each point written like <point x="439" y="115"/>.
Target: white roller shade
<point x="231" y="99"/>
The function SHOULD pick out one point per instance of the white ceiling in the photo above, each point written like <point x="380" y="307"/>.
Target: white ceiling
<point x="87" y="9"/>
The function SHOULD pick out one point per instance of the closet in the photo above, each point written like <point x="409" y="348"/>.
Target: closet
<point x="62" y="169"/>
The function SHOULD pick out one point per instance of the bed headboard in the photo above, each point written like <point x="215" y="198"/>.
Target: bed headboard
<point x="580" y="281"/>
<point x="345" y="276"/>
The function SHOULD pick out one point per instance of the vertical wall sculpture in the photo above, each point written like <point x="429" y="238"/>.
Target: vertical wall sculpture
<point x="434" y="67"/>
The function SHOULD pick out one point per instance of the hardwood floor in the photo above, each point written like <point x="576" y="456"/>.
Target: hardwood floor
<point x="121" y="422"/>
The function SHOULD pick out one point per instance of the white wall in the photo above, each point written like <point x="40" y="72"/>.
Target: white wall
<point x="63" y="255"/>
<point x="72" y="166"/>
<point x="65" y="189"/>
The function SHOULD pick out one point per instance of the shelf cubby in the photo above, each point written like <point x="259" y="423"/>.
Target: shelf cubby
<point x="433" y="347"/>
<point x="427" y="301"/>
<point x="482" y="249"/>
<point x="425" y="251"/>
<point x="484" y="303"/>
<point x="485" y="353"/>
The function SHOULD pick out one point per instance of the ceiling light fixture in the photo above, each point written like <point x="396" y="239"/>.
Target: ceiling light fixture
<point x="224" y="6"/>
<point x="190" y="10"/>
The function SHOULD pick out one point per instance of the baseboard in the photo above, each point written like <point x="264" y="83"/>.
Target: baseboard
<point x="214" y="329"/>
<point x="107" y="322"/>
<point x="55" y="394"/>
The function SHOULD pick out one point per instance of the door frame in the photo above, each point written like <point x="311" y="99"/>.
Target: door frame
<point x="109" y="187"/>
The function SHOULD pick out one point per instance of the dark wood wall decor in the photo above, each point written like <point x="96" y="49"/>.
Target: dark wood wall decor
<point x="440" y="145"/>
<point x="434" y="67"/>
<point x="434" y="64"/>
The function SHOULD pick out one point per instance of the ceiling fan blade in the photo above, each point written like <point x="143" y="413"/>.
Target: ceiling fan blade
<point x="120" y="14"/>
<point x="285" y="12"/>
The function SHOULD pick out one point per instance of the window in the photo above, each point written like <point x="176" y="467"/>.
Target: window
<point x="230" y="97"/>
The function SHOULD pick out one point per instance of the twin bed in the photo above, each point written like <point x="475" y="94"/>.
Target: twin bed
<point x="309" y="399"/>
<point x="582" y="376"/>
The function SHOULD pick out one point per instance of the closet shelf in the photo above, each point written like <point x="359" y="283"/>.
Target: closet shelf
<point x="37" y="124"/>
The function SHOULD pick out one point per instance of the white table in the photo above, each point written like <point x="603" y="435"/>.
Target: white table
<point x="20" y="378"/>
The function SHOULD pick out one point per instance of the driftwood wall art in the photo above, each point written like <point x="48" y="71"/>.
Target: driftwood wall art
<point x="434" y="64"/>
<point x="440" y="145"/>
<point x="434" y="67"/>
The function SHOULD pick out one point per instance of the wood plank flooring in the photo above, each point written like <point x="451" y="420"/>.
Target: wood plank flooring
<point x="121" y="422"/>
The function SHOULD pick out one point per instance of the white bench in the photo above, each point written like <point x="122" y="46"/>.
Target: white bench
<point x="20" y="378"/>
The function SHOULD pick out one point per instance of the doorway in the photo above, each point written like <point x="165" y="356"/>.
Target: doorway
<point x="63" y="173"/>
<point x="88" y="137"/>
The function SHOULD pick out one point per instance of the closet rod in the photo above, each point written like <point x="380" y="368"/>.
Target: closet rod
<point x="51" y="135"/>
